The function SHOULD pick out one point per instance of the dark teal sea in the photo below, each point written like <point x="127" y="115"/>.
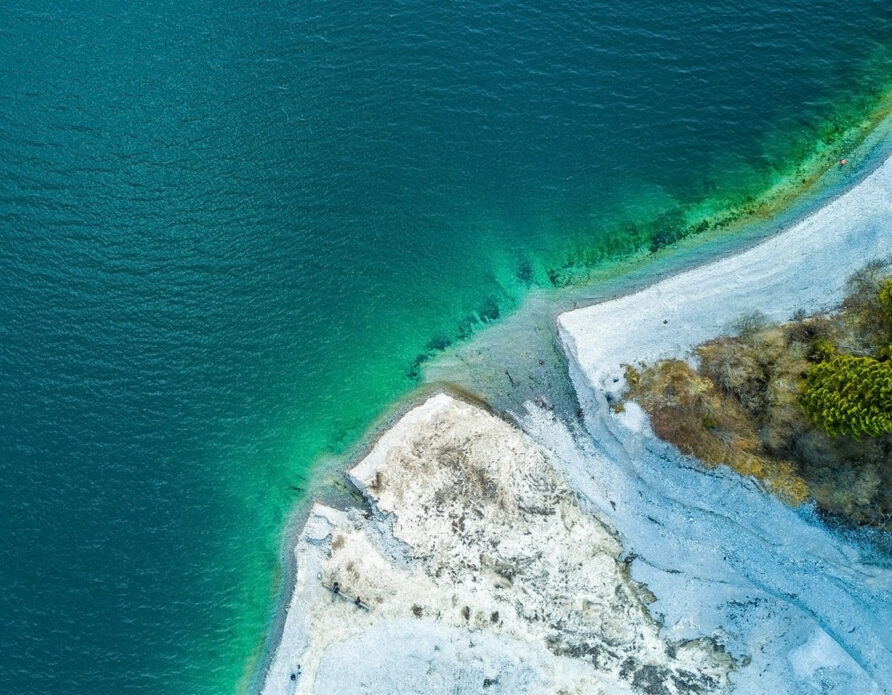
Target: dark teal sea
<point x="230" y="233"/>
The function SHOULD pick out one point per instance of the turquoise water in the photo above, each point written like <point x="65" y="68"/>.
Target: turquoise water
<point x="233" y="232"/>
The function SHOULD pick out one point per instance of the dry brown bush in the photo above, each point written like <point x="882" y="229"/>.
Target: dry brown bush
<point x="689" y="411"/>
<point x="740" y="407"/>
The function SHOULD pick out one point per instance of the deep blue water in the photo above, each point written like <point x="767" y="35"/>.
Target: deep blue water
<point x="228" y="230"/>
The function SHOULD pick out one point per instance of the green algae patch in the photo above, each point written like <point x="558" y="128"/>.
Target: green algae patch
<point x="803" y="407"/>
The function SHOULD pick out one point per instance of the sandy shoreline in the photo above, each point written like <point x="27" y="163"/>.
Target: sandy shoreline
<point x="803" y="267"/>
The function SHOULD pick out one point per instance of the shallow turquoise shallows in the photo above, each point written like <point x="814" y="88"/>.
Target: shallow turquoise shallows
<point x="228" y="231"/>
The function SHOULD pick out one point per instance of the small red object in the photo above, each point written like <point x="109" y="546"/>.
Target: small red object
<point x="842" y="162"/>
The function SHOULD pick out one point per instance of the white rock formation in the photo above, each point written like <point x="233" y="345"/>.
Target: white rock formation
<point x="482" y="574"/>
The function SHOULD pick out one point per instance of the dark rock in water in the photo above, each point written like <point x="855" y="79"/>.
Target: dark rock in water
<point x="438" y="343"/>
<point x="489" y="311"/>
<point x="525" y="273"/>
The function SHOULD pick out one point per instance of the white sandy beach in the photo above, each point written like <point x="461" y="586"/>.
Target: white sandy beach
<point x="554" y="556"/>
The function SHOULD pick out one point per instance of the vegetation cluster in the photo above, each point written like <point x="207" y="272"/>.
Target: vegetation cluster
<point x="805" y="407"/>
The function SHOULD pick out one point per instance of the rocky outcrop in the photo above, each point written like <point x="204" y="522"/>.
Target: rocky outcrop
<point x="481" y="571"/>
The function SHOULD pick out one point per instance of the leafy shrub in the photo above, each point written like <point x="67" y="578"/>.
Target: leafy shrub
<point x="747" y="325"/>
<point x="884" y="296"/>
<point x="821" y="350"/>
<point x="744" y="405"/>
<point x="691" y="411"/>
<point x="849" y="396"/>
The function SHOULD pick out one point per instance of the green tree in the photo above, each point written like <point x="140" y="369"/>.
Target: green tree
<point x="849" y="395"/>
